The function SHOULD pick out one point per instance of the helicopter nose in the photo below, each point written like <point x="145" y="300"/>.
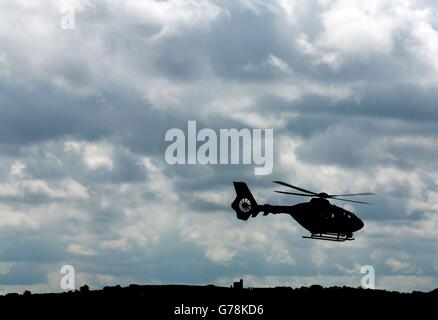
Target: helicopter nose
<point x="359" y="224"/>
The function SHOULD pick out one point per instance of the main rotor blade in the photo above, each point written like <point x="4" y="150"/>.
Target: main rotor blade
<point x="296" y="194"/>
<point x="351" y="200"/>
<point x="293" y="187"/>
<point x="352" y="194"/>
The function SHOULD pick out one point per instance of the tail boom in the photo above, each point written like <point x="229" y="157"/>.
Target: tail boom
<point x="246" y="206"/>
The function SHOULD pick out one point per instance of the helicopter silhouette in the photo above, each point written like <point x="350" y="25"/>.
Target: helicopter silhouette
<point x="322" y="219"/>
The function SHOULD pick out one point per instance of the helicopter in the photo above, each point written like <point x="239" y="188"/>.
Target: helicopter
<point x="322" y="219"/>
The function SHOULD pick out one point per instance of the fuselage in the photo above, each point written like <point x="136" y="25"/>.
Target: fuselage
<point x="320" y="216"/>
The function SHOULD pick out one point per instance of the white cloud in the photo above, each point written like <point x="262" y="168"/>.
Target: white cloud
<point x="427" y="47"/>
<point x="81" y="249"/>
<point x="117" y="244"/>
<point x="94" y="155"/>
<point x="17" y="168"/>
<point x="325" y="57"/>
<point x="65" y="189"/>
<point x="172" y="15"/>
<point x="361" y="28"/>
<point x="219" y="254"/>
<point x="281" y="255"/>
<point x="399" y="266"/>
<point x="278" y="64"/>
<point x="17" y="219"/>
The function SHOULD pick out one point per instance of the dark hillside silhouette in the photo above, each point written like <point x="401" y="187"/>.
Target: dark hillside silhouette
<point x="277" y="303"/>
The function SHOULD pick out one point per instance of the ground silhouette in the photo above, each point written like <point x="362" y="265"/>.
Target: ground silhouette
<point x="164" y="302"/>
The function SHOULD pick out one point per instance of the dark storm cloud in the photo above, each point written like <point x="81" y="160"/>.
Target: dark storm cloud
<point x="23" y="275"/>
<point x="18" y="246"/>
<point x="42" y="112"/>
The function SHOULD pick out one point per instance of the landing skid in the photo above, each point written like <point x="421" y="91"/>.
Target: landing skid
<point x="330" y="237"/>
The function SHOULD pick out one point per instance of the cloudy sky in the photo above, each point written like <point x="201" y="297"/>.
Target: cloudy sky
<point x="349" y="87"/>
